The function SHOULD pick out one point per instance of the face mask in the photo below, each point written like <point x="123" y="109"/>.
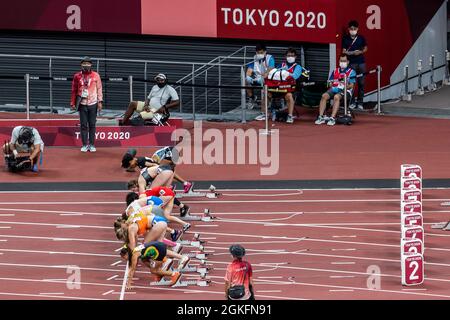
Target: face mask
<point x="353" y="33"/>
<point x="343" y="65"/>
<point x="161" y="85"/>
<point x="260" y="56"/>
<point x="290" y="59"/>
<point x="85" y="68"/>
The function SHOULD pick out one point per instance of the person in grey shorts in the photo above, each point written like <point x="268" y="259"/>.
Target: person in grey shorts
<point x="336" y="91"/>
<point x="161" y="98"/>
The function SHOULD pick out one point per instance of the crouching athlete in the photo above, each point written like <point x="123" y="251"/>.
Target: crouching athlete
<point x="153" y="254"/>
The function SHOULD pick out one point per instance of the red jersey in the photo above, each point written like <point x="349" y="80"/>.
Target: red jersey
<point x="159" y="192"/>
<point x="239" y="273"/>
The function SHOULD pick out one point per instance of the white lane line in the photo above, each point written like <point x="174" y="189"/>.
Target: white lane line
<point x="113" y="277"/>
<point x="219" y="201"/>
<point x="272" y="213"/>
<point x="67" y="227"/>
<point x="338" y="277"/>
<point x="213" y="262"/>
<point x="7" y="215"/>
<point x="265" y="220"/>
<point x="353" y="236"/>
<point x="59" y="239"/>
<point x="118" y="249"/>
<point x="210" y="238"/>
<point x="3" y="240"/>
<point x="206" y="225"/>
<point x="341" y="290"/>
<point x="52" y="293"/>
<point x="115" y="263"/>
<point x="126" y="292"/>
<point x="309" y="239"/>
<point x="124" y="283"/>
<point x="337" y="287"/>
<point x="225" y="234"/>
<point x="5" y="227"/>
<point x="61" y="212"/>
<point x="349" y="249"/>
<point x="107" y="292"/>
<point x="306" y="201"/>
<point x="111" y="285"/>
<point x="299" y="192"/>
<point x="409" y="289"/>
<point x="322" y="226"/>
<point x="343" y="262"/>
<point x="47" y="296"/>
<point x="61" y="252"/>
<point x="230" y="190"/>
<point x="60" y="225"/>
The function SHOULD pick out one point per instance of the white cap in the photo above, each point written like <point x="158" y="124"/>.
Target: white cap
<point x="161" y="76"/>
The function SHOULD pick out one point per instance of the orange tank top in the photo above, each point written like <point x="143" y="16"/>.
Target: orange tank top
<point x="141" y="219"/>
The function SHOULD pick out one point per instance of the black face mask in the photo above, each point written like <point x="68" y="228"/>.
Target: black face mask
<point x="161" y="85"/>
<point x="86" y="69"/>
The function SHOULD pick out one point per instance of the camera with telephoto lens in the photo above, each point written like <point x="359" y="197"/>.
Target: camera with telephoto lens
<point x="17" y="164"/>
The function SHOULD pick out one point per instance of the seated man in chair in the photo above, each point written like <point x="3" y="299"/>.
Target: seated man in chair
<point x="336" y="92"/>
<point x="156" y="104"/>
<point x="290" y="72"/>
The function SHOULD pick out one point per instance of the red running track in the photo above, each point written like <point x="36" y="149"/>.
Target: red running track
<point x="302" y="245"/>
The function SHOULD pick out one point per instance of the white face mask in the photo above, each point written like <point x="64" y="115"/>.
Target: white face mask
<point x="290" y="59"/>
<point x="353" y="33"/>
<point x="260" y="56"/>
<point x="343" y="65"/>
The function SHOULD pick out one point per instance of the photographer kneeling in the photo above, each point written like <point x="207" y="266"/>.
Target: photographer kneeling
<point x="24" y="150"/>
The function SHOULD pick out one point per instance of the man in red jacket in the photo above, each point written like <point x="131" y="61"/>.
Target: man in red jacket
<point x="87" y="98"/>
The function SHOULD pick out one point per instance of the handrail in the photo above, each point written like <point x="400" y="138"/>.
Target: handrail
<point x="114" y="59"/>
<point x="189" y="75"/>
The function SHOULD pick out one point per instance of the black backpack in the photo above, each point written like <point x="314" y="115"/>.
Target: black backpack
<point x="344" y="119"/>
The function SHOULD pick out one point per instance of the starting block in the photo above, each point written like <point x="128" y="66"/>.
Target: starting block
<point x="443" y="226"/>
<point x="202" y="270"/>
<point x="211" y="193"/>
<point x="206" y="217"/>
<point x="202" y="282"/>
<point x="198" y="255"/>
<point x="195" y="242"/>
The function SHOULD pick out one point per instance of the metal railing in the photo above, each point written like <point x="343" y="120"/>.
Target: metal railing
<point x="419" y="88"/>
<point x="214" y="69"/>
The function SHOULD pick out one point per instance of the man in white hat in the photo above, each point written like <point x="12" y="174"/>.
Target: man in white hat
<point x="161" y="98"/>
